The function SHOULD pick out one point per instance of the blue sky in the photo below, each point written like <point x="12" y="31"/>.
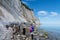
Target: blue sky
<point x="48" y="11"/>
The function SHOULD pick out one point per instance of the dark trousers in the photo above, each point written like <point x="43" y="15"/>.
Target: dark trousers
<point x="32" y="36"/>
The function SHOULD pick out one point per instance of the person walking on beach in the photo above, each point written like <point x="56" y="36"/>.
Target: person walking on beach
<point x="32" y="36"/>
<point x="24" y="31"/>
<point x="31" y="31"/>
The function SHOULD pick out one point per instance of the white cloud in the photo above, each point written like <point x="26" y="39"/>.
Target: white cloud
<point x="42" y="13"/>
<point x="45" y="13"/>
<point x="49" y="18"/>
<point x="53" y="13"/>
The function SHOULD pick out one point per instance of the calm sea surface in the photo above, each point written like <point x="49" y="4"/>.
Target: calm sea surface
<point x="55" y="30"/>
<point x="51" y="28"/>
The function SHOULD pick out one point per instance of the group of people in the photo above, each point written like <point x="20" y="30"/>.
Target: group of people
<point x="14" y="30"/>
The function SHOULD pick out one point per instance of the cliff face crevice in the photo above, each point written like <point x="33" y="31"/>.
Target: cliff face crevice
<point x="17" y="10"/>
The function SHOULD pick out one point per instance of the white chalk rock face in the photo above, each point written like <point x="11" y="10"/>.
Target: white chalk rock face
<point x="7" y="15"/>
<point x="3" y="31"/>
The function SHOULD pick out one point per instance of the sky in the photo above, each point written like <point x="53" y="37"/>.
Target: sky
<point x="48" y="11"/>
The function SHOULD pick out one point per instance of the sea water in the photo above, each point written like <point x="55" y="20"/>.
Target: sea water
<point x="55" y="29"/>
<point x="52" y="31"/>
